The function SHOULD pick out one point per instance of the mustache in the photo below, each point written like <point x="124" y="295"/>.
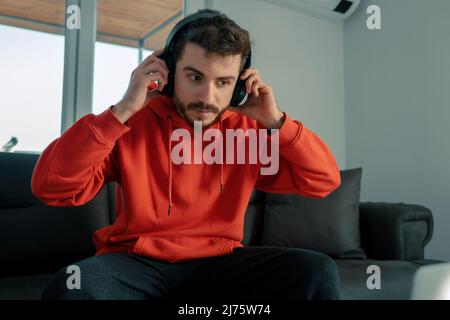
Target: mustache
<point x="202" y="106"/>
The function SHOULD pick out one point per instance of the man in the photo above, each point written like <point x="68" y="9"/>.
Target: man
<point x="179" y="225"/>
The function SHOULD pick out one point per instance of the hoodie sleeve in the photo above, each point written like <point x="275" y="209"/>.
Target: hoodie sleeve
<point x="306" y="165"/>
<point x="75" y="166"/>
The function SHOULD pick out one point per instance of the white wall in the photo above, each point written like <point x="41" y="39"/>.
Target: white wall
<point x="301" y="58"/>
<point x="398" y="107"/>
<point x="396" y="118"/>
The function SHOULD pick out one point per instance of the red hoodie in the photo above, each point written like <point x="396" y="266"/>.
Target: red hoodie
<point x="173" y="212"/>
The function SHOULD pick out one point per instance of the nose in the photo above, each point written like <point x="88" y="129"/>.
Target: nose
<point x="206" y="94"/>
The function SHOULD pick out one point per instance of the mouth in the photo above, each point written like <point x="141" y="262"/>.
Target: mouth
<point x="203" y="111"/>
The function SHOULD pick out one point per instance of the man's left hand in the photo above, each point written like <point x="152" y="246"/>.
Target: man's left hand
<point x="260" y="104"/>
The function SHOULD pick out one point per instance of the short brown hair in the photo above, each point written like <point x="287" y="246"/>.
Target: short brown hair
<point x="218" y="34"/>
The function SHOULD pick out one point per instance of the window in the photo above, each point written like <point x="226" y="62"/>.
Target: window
<point x="113" y="65"/>
<point x="112" y="71"/>
<point x="123" y="26"/>
<point x="32" y="63"/>
<point x="31" y="81"/>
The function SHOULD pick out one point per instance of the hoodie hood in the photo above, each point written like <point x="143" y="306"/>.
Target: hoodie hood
<point x="164" y="107"/>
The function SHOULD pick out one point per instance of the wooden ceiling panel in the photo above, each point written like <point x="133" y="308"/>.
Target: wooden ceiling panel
<point x="159" y="39"/>
<point x="47" y="11"/>
<point x="31" y="25"/>
<point x="121" y="22"/>
<point x="134" y="19"/>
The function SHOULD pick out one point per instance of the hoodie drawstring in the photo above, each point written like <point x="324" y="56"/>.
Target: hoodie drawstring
<point x="169" y="117"/>
<point x="221" y="164"/>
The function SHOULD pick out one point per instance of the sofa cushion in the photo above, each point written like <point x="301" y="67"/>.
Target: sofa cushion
<point x="15" y="183"/>
<point x="254" y="216"/>
<point x="39" y="238"/>
<point x="329" y="225"/>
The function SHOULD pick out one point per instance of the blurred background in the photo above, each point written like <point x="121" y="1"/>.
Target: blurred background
<point x="379" y="97"/>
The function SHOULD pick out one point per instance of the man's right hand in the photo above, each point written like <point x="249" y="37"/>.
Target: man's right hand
<point x="137" y="95"/>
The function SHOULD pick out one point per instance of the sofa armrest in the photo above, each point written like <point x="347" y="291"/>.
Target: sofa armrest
<point x="395" y="231"/>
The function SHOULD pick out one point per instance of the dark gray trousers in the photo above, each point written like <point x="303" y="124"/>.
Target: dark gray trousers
<point x="249" y="273"/>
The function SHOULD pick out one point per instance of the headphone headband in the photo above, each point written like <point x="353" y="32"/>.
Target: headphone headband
<point x="185" y="21"/>
<point x="239" y="92"/>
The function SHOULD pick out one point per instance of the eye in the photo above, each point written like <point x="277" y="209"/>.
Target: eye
<point x="224" y="83"/>
<point x="193" y="75"/>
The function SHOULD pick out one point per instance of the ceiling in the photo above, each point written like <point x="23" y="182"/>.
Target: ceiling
<point x="122" y="22"/>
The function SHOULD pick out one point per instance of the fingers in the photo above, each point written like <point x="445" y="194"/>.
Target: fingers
<point x="252" y="82"/>
<point x="155" y="54"/>
<point x="152" y="65"/>
<point x="154" y="70"/>
<point x="158" y="77"/>
<point x="158" y="52"/>
<point x="157" y="68"/>
<point x="264" y="88"/>
<point x="248" y="72"/>
<point x="152" y="60"/>
<point x="252" y="85"/>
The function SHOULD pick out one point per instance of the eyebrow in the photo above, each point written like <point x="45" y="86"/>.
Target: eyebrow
<point x="189" y="68"/>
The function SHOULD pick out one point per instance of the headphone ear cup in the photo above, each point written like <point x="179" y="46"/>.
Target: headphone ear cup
<point x="169" y="87"/>
<point x="239" y="93"/>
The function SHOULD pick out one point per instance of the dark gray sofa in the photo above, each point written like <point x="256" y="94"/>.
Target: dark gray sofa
<point x="38" y="240"/>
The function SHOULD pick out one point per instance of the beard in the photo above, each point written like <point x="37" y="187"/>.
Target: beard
<point x="182" y="109"/>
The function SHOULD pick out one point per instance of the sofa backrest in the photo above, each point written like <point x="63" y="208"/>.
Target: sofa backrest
<point x="36" y="238"/>
<point x="254" y="219"/>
